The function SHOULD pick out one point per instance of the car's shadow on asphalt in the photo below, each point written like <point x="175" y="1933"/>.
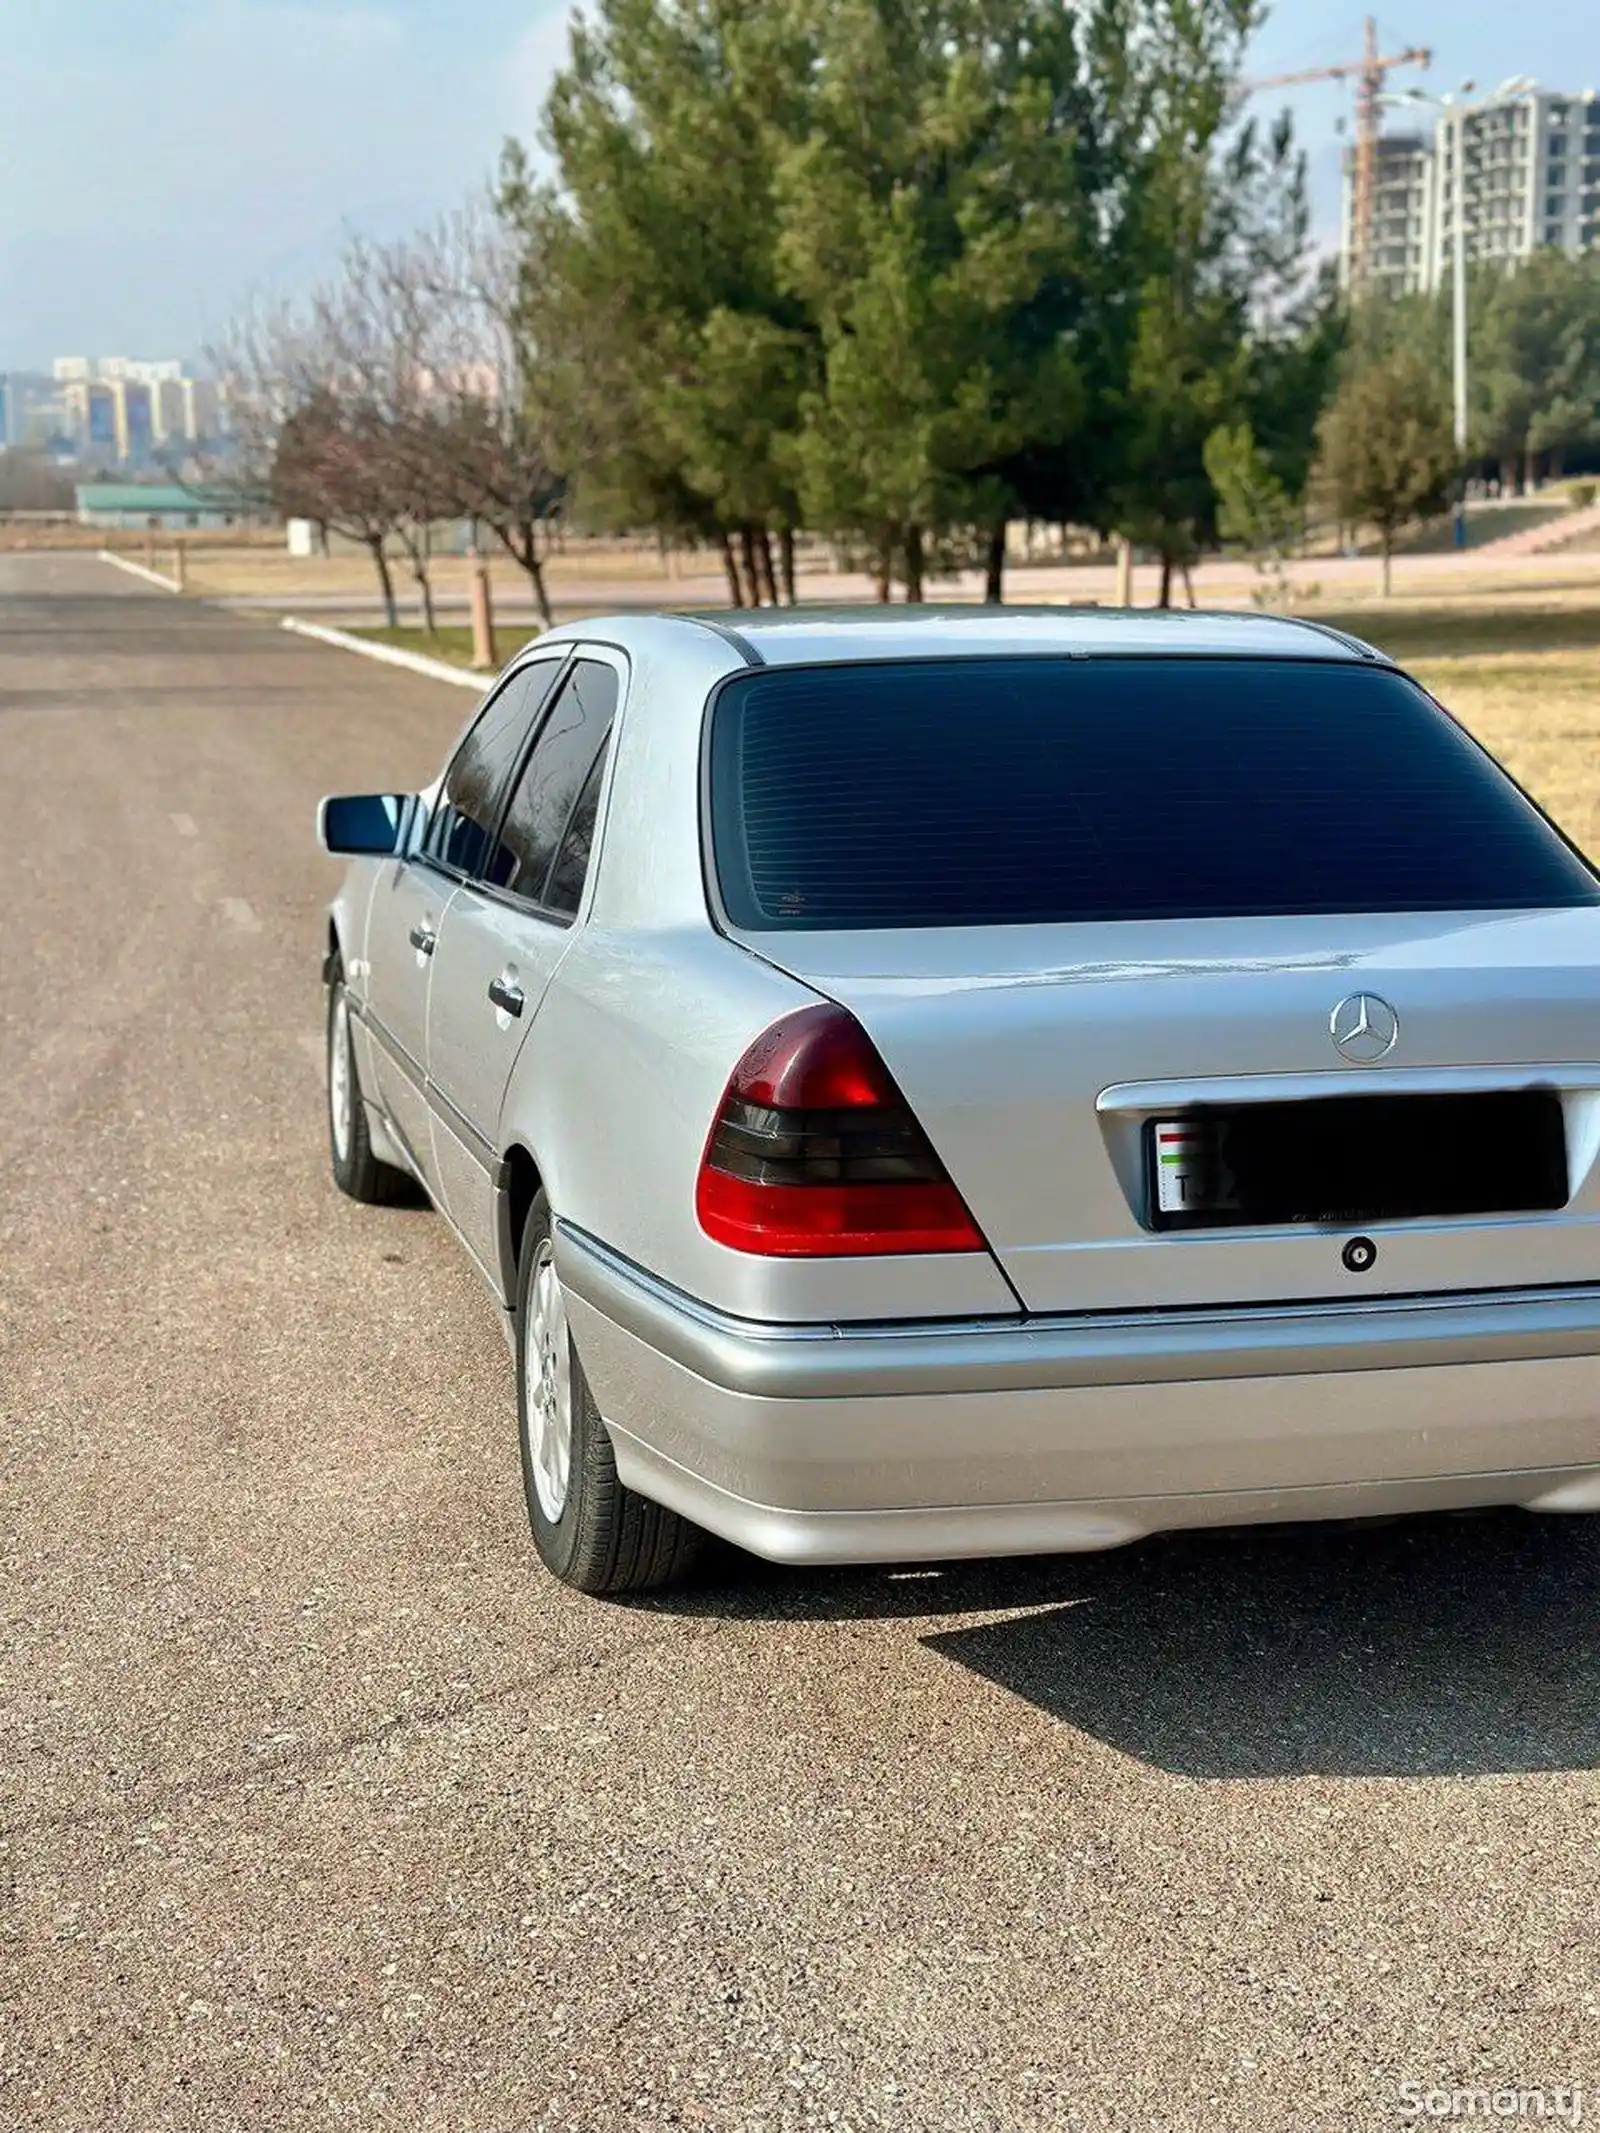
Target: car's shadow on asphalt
<point x="1458" y="1645"/>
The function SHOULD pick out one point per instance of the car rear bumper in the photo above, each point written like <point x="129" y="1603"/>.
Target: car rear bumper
<point x="829" y="1443"/>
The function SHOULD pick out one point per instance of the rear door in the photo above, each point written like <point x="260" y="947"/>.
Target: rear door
<point x="415" y="891"/>
<point x="506" y="931"/>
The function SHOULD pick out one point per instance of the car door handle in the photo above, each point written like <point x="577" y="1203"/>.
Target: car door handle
<point x="423" y="938"/>
<point x="506" y="995"/>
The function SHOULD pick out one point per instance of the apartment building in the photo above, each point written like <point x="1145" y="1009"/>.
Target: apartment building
<point x="1530" y="163"/>
<point x="1403" y="213"/>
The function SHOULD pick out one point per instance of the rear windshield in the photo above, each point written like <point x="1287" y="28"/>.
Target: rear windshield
<point x="1016" y="791"/>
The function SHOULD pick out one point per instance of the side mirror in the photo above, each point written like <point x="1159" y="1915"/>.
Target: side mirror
<point x="362" y="825"/>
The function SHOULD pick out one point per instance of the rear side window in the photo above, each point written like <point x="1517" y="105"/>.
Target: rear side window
<point x="1017" y="791"/>
<point x="475" y="784"/>
<point x="564" y="890"/>
<point x="554" y="779"/>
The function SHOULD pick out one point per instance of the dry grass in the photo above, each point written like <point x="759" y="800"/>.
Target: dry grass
<point x="37" y="536"/>
<point x="1540" y="715"/>
<point x="1522" y="671"/>
<point x="274" y="574"/>
<point x="449" y="642"/>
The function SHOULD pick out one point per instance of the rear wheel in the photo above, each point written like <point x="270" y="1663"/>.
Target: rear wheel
<point x="356" y="1170"/>
<point x="589" y="1528"/>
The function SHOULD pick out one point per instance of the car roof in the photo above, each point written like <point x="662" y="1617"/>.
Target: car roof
<point x="793" y="636"/>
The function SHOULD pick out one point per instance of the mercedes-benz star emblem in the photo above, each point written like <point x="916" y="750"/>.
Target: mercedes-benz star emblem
<point x="1364" y="1028"/>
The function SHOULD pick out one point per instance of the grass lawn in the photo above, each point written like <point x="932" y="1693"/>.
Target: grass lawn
<point x="448" y="643"/>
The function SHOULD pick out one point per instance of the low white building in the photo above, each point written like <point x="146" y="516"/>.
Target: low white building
<point x="165" y="505"/>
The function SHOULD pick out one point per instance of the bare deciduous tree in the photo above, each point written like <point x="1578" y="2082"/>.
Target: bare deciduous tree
<point x="309" y="442"/>
<point x="380" y="320"/>
<point x="396" y="395"/>
<point x="494" y="456"/>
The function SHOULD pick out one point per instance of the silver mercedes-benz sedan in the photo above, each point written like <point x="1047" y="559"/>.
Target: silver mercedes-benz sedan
<point x="945" y="1083"/>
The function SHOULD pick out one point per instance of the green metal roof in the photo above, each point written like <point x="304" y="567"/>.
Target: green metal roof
<point x="151" y="496"/>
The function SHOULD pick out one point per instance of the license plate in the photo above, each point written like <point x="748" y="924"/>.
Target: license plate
<point x="1191" y="1176"/>
<point x="1352" y="1160"/>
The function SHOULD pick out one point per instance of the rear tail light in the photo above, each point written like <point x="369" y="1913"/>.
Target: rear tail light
<point x="815" y="1153"/>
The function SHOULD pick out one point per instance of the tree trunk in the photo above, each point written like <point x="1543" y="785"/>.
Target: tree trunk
<point x="381" y="564"/>
<point x="521" y="543"/>
<point x="769" y="584"/>
<point x="1188" y="585"/>
<point x="533" y="563"/>
<point x="1508" y="477"/>
<point x="994" y="564"/>
<point x="747" y="556"/>
<point x="913" y="563"/>
<point x="1530" y="471"/>
<point x="419" y="570"/>
<point x="322" y="537"/>
<point x="1164" y="599"/>
<point x="883" y="573"/>
<point x="422" y="566"/>
<point x="1388" y="549"/>
<point x="735" y="594"/>
<point x="786" y="563"/>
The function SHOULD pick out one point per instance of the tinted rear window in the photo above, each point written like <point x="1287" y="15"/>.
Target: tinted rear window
<point x="988" y="792"/>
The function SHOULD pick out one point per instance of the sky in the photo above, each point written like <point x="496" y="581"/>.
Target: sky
<point x="163" y="162"/>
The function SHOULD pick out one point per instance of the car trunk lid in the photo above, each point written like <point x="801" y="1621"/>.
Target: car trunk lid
<point x="1047" y="1062"/>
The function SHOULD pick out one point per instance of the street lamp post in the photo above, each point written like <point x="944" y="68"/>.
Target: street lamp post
<point x="1458" y="321"/>
<point x="1453" y="104"/>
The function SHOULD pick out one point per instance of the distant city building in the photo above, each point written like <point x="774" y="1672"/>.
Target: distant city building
<point x="91" y="416"/>
<point x="142" y="373"/>
<point x="1531" y="163"/>
<point x="119" y="410"/>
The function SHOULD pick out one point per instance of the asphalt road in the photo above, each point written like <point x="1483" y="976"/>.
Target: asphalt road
<point x="323" y="1808"/>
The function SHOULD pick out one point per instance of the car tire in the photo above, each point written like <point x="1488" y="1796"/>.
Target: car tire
<point x="356" y="1170"/>
<point x="590" y="1530"/>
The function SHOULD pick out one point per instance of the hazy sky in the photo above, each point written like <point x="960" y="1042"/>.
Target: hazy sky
<point x="160" y="160"/>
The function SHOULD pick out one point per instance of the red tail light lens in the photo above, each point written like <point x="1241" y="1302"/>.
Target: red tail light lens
<point x="815" y="1153"/>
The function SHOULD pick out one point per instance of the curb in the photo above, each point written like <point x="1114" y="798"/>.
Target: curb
<point x="391" y="654"/>
<point x="137" y="570"/>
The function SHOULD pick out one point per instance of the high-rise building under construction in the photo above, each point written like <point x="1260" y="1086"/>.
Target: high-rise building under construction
<point x="1530" y="168"/>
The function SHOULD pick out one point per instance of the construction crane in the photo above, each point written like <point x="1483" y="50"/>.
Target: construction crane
<point x="1368" y="73"/>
